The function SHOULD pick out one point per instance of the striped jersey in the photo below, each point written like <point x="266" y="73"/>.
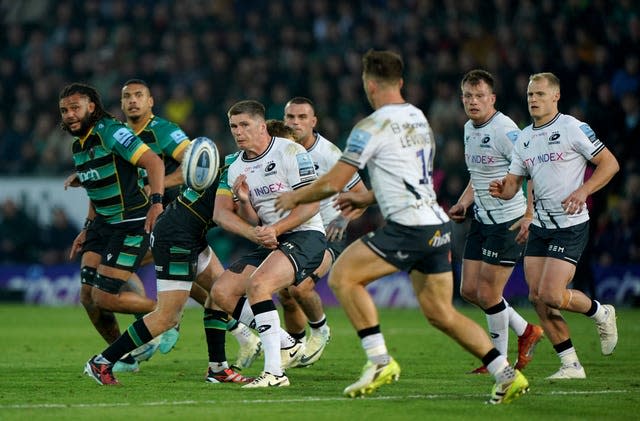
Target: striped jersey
<point x="487" y="152"/>
<point x="325" y="154"/>
<point x="283" y="166"/>
<point x="397" y="146"/>
<point x="105" y="164"/>
<point x="555" y="157"/>
<point x="167" y="140"/>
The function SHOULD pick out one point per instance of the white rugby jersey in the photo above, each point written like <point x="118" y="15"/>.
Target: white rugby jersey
<point x="396" y="145"/>
<point x="487" y="152"/>
<point x="555" y="157"/>
<point x="284" y="166"/>
<point x="325" y="154"/>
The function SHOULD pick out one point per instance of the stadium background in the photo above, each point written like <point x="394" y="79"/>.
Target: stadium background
<point x="201" y="56"/>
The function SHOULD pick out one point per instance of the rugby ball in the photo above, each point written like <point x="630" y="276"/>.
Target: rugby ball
<point x="200" y="164"/>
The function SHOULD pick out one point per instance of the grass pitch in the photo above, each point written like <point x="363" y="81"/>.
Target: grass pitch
<point x="43" y="351"/>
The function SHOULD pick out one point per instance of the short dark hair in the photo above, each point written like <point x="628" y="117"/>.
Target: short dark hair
<point x="384" y="65"/>
<point x="301" y="100"/>
<point x="475" y="76"/>
<point x="277" y="128"/>
<point x="249" y="106"/>
<point x="90" y="92"/>
<point x="136" y="82"/>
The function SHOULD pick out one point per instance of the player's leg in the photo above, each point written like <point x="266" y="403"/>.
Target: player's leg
<point x="294" y="318"/>
<point x="275" y="273"/>
<point x="555" y="326"/>
<point x="299" y="254"/>
<point x="349" y="287"/>
<point x="169" y="310"/>
<point x="309" y="300"/>
<point x="104" y="321"/>
<point x="500" y="315"/>
<point x="434" y="293"/>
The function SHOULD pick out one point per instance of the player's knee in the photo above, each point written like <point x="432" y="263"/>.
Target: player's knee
<point x="441" y="320"/>
<point x="286" y="300"/>
<point x="469" y="295"/>
<point x="551" y="299"/>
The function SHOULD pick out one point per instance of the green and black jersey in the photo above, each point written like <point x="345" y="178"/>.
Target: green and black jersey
<point x="200" y="203"/>
<point x="167" y="140"/>
<point x="105" y="163"/>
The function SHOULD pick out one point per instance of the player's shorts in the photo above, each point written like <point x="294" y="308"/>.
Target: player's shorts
<point x="425" y="248"/>
<point x="122" y="245"/>
<point x="305" y="250"/>
<point x="561" y="243"/>
<point x="336" y="247"/>
<point x="176" y="241"/>
<point x="493" y="243"/>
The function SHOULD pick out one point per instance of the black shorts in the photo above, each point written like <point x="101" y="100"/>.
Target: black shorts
<point x="122" y="246"/>
<point x="493" y="243"/>
<point x="561" y="243"/>
<point x="305" y="250"/>
<point x="176" y="241"/>
<point x="336" y="247"/>
<point x="425" y="248"/>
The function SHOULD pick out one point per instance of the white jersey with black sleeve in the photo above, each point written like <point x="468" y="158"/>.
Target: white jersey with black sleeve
<point x="284" y="166"/>
<point x="487" y="152"/>
<point x="555" y="157"/>
<point x="397" y="146"/>
<point x="325" y="154"/>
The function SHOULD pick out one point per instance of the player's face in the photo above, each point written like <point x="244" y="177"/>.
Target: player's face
<point x="136" y="101"/>
<point x="542" y="100"/>
<point x="478" y="101"/>
<point x="302" y="119"/>
<point x="75" y="111"/>
<point x="248" y="132"/>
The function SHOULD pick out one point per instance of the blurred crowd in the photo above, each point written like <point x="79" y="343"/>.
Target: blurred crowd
<point x="201" y="56"/>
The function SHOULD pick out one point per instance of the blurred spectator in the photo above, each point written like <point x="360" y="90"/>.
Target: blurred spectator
<point x="200" y="57"/>
<point x="618" y="237"/>
<point x="56" y="238"/>
<point x="18" y="234"/>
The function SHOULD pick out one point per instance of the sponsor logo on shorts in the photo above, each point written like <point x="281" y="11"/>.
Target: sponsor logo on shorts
<point x="439" y="240"/>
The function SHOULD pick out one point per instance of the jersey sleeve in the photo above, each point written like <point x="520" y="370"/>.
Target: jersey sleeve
<point x="517" y="167"/>
<point x="359" y="147"/>
<point x="301" y="169"/>
<point x="223" y="185"/>
<point x="584" y="140"/>
<point x="120" y="139"/>
<point x="173" y="140"/>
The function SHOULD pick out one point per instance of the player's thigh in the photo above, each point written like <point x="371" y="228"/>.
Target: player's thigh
<point x="492" y="278"/>
<point x="358" y="264"/>
<point x="232" y="283"/>
<point x="434" y="292"/>
<point x="276" y="272"/>
<point x="470" y="275"/>
<point x="555" y="277"/>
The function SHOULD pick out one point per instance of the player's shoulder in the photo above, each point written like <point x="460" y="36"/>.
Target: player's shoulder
<point x="231" y="158"/>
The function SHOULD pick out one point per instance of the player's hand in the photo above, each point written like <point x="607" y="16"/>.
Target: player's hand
<point x="522" y="225"/>
<point x="348" y="201"/>
<point x="496" y="187"/>
<point x="241" y="188"/>
<point x="457" y="213"/>
<point x="266" y="236"/>
<point x="76" y="246"/>
<point x="286" y="201"/>
<point x="152" y="215"/>
<point x="72" y="181"/>
<point x="575" y="202"/>
<point x="337" y="228"/>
